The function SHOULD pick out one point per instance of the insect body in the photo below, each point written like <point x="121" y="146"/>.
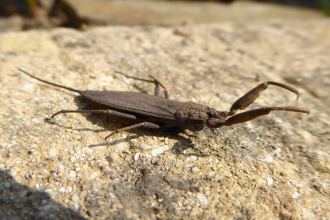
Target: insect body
<point x="154" y="111"/>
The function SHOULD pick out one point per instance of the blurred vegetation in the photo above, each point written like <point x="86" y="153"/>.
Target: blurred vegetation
<point x="324" y="5"/>
<point x="53" y="13"/>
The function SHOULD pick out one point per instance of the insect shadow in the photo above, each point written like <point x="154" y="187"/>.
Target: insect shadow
<point x="18" y="201"/>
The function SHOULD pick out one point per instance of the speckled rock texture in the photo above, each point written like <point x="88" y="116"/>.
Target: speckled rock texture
<point x="277" y="166"/>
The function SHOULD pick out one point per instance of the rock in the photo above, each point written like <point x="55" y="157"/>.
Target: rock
<point x="214" y="67"/>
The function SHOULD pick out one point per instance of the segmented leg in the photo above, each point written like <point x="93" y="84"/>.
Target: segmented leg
<point x="155" y="81"/>
<point x="249" y="97"/>
<point x="245" y="101"/>
<point x="252" y="114"/>
<point x="108" y="112"/>
<point x="142" y="124"/>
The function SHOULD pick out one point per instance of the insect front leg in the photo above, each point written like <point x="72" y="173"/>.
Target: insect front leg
<point x="252" y="114"/>
<point x="253" y="94"/>
<point x="245" y="101"/>
<point x="155" y="81"/>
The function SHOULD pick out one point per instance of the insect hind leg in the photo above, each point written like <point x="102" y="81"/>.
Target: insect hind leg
<point x="155" y="81"/>
<point x="107" y="111"/>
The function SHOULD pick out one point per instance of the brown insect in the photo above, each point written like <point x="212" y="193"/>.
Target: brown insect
<point x="154" y="111"/>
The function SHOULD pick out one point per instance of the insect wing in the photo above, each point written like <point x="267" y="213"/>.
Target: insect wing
<point x="137" y="103"/>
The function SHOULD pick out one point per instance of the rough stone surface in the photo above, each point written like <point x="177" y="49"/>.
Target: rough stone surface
<point x="167" y="13"/>
<point x="277" y="166"/>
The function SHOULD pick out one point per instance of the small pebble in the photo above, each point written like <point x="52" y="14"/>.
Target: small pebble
<point x="75" y="198"/>
<point x="202" y="199"/>
<point x="211" y="174"/>
<point x="21" y="194"/>
<point x="278" y="120"/>
<point x="270" y="181"/>
<point x="136" y="156"/>
<point x="49" y="191"/>
<point x="83" y="195"/>
<point x="75" y="206"/>
<point x="61" y="190"/>
<point x="159" y="151"/>
<point x="195" y="169"/>
<point x="268" y="159"/>
<point x="154" y="160"/>
<point x="122" y="146"/>
<point x="193" y="158"/>
<point x="94" y="175"/>
<point x="28" y="87"/>
<point x="68" y="189"/>
<point x="144" y="146"/>
<point x="6" y="185"/>
<point x="87" y="150"/>
<point x="295" y="195"/>
<point x="32" y="151"/>
<point x="72" y="159"/>
<point x="52" y="152"/>
<point x="60" y="167"/>
<point x="72" y="174"/>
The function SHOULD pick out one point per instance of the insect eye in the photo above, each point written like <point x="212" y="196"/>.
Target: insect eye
<point x="210" y="114"/>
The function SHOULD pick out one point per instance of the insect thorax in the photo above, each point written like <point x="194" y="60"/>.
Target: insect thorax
<point x="192" y="113"/>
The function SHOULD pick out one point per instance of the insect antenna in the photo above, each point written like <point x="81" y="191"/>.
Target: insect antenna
<point x="50" y="83"/>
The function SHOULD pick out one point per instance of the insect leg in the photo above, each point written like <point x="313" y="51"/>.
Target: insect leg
<point x="158" y="83"/>
<point x="142" y="124"/>
<point x="249" y="97"/>
<point x="108" y="112"/>
<point x="155" y="81"/>
<point x="249" y="115"/>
